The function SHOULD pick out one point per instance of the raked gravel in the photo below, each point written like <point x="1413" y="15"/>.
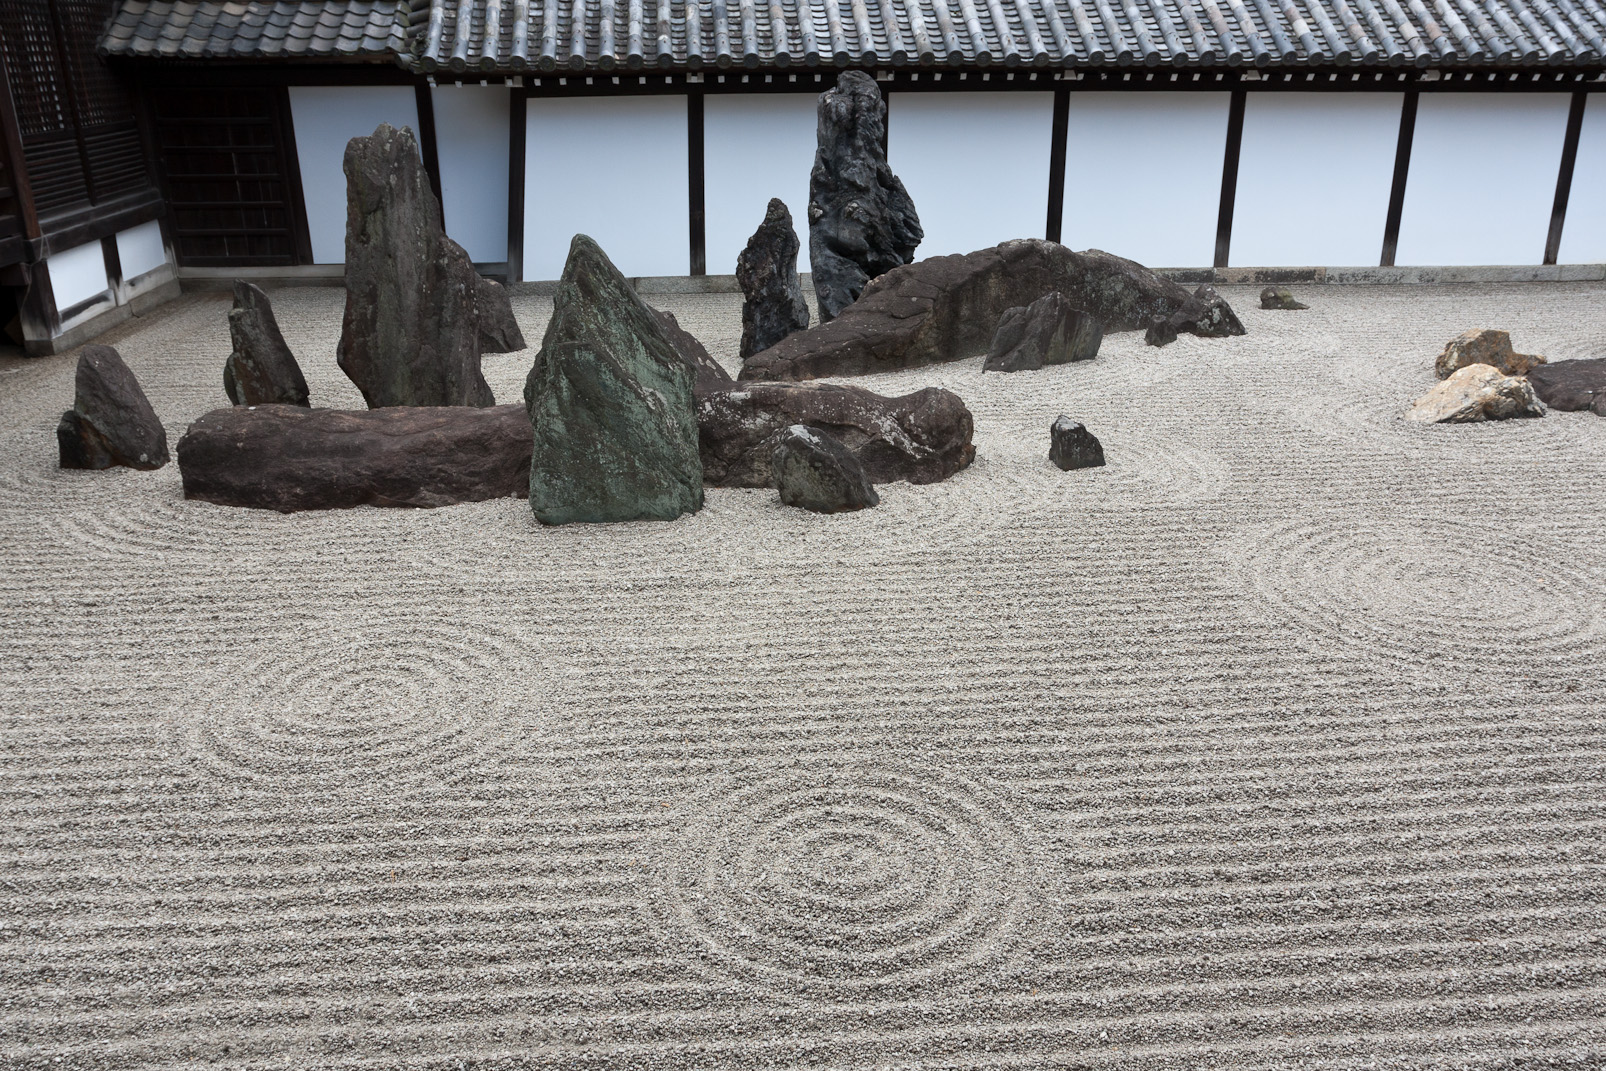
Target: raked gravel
<point x="1279" y="742"/>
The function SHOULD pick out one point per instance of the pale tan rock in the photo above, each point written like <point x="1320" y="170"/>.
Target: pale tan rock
<point x="1477" y="392"/>
<point x="1484" y="346"/>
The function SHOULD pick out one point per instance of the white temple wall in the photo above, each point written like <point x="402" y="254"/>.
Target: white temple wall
<point x="1314" y="174"/>
<point x="325" y="119"/>
<point x="77" y="274"/>
<point x="976" y="165"/>
<point x="471" y="142"/>
<point x="1143" y="175"/>
<point x="1482" y="178"/>
<point x="1583" y="237"/>
<point x="140" y="249"/>
<point x="613" y="168"/>
<point x="755" y="147"/>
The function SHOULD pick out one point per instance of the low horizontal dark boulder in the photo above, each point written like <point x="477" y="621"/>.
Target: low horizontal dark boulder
<point x="815" y="472"/>
<point x="1205" y="313"/>
<point x="111" y="421"/>
<point x="286" y="458"/>
<point x="1571" y="385"/>
<point x="922" y="437"/>
<point x="1048" y="331"/>
<point x="946" y="308"/>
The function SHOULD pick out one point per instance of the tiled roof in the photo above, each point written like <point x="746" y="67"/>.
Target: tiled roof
<point x="603" y="35"/>
<point x="254" y="29"/>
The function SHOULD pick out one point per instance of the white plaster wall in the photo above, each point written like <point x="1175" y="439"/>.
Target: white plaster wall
<point x="77" y="274"/>
<point x="1314" y="174"/>
<point x="471" y="139"/>
<point x="755" y="147"/>
<point x="1143" y="175"/>
<point x="613" y="168"/>
<point x="325" y="119"/>
<point x="140" y="249"/>
<point x="976" y="165"/>
<point x="1482" y="178"/>
<point x="1583" y="238"/>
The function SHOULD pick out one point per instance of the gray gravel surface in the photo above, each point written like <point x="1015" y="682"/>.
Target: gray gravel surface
<point x="1275" y="743"/>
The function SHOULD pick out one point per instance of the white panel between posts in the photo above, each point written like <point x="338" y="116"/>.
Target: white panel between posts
<point x="1314" y="174"/>
<point x="77" y="274"/>
<point x="325" y="119"/>
<point x="976" y="165"/>
<point x="1583" y="237"/>
<point x="140" y="249"/>
<point x="471" y="141"/>
<point x="613" y="168"/>
<point x="1143" y="175"/>
<point x="1482" y="178"/>
<point x="755" y="147"/>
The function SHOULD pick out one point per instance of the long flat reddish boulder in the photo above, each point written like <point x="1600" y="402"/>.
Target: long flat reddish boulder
<point x="286" y="458"/>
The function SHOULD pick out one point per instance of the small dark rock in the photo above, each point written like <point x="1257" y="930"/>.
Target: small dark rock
<point x="1571" y="385"/>
<point x="1280" y="297"/>
<point x="411" y="333"/>
<point x="1206" y="314"/>
<point x="773" y="305"/>
<point x="1048" y="331"/>
<point x="261" y="370"/>
<point x="612" y="406"/>
<point x="1072" y="446"/>
<point x="922" y="437"/>
<point x="286" y="458"/>
<point x="111" y="421"/>
<point x="499" y="329"/>
<point x="862" y="221"/>
<point x="815" y="472"/>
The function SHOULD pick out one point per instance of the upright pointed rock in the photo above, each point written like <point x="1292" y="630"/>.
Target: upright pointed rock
<point x="499" y="330"/>
<point x="862" y="221"/>
<point x="411" y="334"/>
<point x="261" y="370"/>
<point x="111" y="421"/>
<point x="611" y="404"/>
<point x="773" y="305"/>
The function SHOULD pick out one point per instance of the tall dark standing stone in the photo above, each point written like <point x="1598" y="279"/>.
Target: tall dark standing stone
<point x="861" y="220"/>
<point x="411" y="335"/>
<point x="773" y="306"/>
<point x="111" y="421"/>
<point x="261" y="370"/>
<point x="611" y="403"/>
<point x="499" y="330"/>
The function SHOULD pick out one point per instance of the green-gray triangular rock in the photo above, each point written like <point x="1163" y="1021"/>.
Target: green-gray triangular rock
<point x="611" y="405"/>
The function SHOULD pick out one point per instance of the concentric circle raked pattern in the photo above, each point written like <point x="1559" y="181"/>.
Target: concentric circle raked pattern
<point x="1437" y="593"/>
<point x="854" y="876"/>
<point x="386" y="707"/>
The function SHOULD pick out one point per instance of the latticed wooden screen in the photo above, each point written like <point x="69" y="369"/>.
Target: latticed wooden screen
<point x="80" y="140"/>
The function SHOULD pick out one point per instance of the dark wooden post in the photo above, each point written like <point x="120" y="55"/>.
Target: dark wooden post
<point x="515" y="183"/>
<point x="1564" y="177"/>
<point x="428" y="147"/>
<point x="1402" y="172"/>
<point x="1056" y="164"/>
<point x="1229" y="178"/>
<point x="697" y="209"/>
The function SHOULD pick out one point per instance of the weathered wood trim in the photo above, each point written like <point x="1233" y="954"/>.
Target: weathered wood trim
<point x="114" y="262"/>
<point x="92" y="222"/>
<point x="697" y="207"/>
<point x="428" y="147"/>
<point x="1058" y="135"/>
<point x="10" y="131"/>
<point x="1564" y="177"/>
<point x="1402" y="173"/>
<point x="517" y="132"/>
<point x="1229" y="178"/>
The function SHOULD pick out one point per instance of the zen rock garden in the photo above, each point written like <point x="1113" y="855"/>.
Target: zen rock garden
<point x="625" y="415"/>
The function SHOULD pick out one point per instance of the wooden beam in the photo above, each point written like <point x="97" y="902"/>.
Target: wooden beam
<point x="1564" y="177"/>
<point x="697" y="211"/>
<point x="1402" y="172"/>
<point x="516" y="134"/>
<point x="1229" y="178"/>
<point x="428" y="147"/>
<point x="290" y="162"/>
<point x="10" y="132"/>
<point x="1056" y="163"/>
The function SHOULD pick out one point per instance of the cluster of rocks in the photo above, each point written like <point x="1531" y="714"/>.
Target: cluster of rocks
<point x="1482" y="378"/>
